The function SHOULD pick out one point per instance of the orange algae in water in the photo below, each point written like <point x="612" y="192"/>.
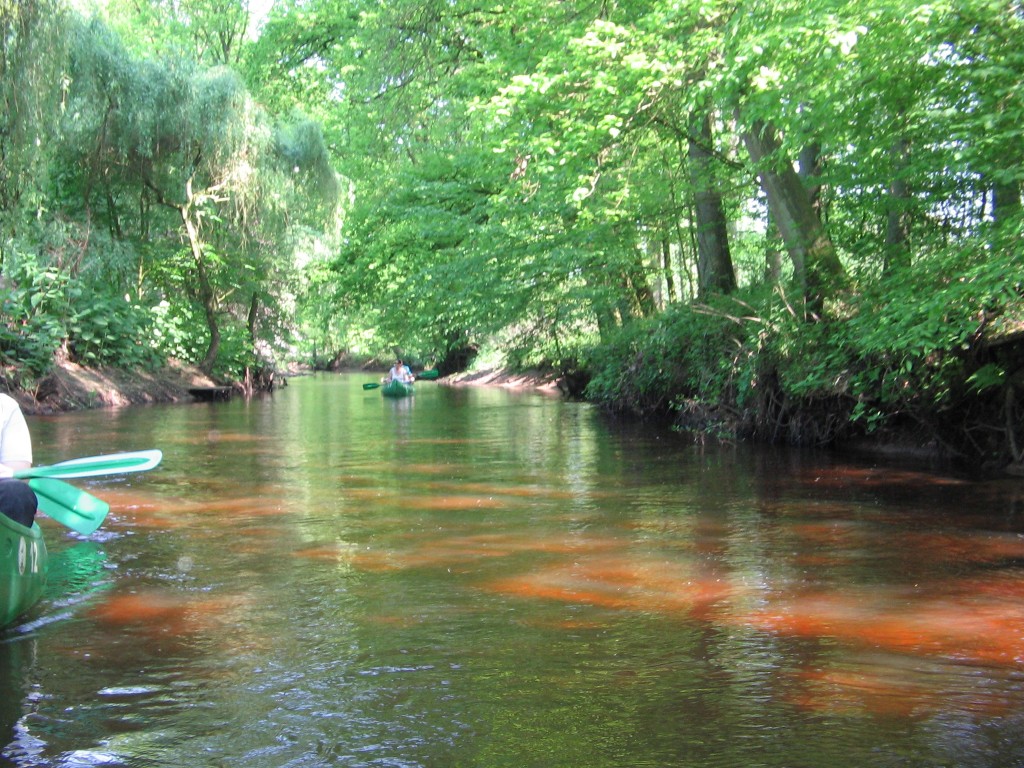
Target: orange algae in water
<point x="158" y="612"/>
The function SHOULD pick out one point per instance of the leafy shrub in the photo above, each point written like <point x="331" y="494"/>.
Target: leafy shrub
<point x="685" y="357"/>
<point x="44" y="310"/>
<point x="110" y="330"/>
<point x="903" y="345"/>
<point x="32" y="315"/>
<point x="179" y="331"/>
<point x="908" y="346"/>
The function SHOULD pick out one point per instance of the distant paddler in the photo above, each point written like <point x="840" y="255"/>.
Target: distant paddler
<point x="399" y="372"/>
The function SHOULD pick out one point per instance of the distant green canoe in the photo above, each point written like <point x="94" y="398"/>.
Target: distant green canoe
<point x="22" y="568"/>
<point x="396" y="389"/>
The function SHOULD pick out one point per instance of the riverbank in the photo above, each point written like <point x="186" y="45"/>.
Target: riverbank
<point x="499" y="377"/>
<point x="70" y="387"/>
<point x="907" y="445"/>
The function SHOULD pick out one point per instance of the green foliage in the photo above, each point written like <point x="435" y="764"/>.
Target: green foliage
<point x="176" y="331"/>
<point x="108" y="330"/>
<point x="905" y="347"/>
<point x="210" y="31"/>
<point x="46" y="310"/>
<point x="236" y="353"/>
<point x="29" y="336"/>
<point x="684" y="358"/>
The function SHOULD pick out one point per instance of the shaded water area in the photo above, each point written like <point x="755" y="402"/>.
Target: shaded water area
<point x="475" y="577"/>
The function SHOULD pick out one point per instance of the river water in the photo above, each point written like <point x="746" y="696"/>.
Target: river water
<point x="476" y="577"/>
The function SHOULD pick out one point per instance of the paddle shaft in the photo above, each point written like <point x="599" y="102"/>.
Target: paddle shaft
<point x="96" y="466"/>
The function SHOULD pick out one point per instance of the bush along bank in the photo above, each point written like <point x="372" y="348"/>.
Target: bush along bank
<point x="935" y="361"/>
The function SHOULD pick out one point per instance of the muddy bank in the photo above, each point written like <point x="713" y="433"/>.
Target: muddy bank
<point x="70" y="387"/>
<point x="496" y="377"/>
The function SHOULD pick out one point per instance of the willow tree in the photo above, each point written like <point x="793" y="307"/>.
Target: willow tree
<point x="32" y="46"/>
<point x="185" y="156"/>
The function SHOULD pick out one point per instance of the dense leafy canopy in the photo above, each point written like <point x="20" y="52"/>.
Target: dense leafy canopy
<point x="756" y="205"/>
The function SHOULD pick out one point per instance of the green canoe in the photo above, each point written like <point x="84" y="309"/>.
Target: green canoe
<point x="22" y="568"/>
<point x="396" y="389"/>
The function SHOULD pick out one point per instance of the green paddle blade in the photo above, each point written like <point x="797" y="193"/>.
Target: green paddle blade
<point x="95" y="466"/>
<point x="80" y="511"/>
<point x="430" y="375"/>
<point x="371" y="385"/>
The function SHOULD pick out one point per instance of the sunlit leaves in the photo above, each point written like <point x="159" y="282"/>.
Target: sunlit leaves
<point x="212" y="32"/>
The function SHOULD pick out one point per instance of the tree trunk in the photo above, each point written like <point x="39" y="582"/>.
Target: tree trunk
<point x="666" y="270"/>
<point x="206" y="293"/>
<point x="815" y="262"/>
<point x="808" y="164"/>
<point x="897" y="229"/>
<point x="772" y="252"/>
<point x="715" y="273"/>
<point x="1006" y="203"/>
<point x="603" y="308"/>
<point x="254" y="308"/>
<point x="144" y="215"/>
<point x="642" y="293"/>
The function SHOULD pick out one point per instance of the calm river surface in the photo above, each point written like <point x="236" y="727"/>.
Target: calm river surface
<point x="482" y="578"/>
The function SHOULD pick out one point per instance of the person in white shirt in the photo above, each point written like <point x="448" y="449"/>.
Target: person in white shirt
<point x="399" y="372"/>
<point x="17" y="500"/>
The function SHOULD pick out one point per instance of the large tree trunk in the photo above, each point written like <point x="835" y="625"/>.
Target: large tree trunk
<point x="603" y="305"/>
<point x="808" y="164"/>
<point x="715" y="273"/>
<point x="815" y="262"/>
